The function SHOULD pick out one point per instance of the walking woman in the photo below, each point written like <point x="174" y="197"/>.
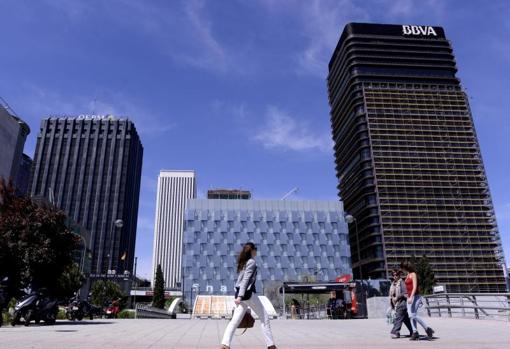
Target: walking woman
<point x="414" y="301"/>
<point x="246" y="297"/>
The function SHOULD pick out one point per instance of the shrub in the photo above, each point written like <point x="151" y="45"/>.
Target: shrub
<point x="103" y="292"/>
<point x="127" y="314"/>
<point x="61" y="314"/>
<point x="168" y="302"/>
<point x="7" y="317"/>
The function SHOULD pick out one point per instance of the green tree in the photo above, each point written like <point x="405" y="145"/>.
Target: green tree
<point x="426" y="276"/>
<point x="70" y="281"/>
<point x="308" y="278"/>
<point x="35" y="244"/>
<point x="104" y="292"/>
<point x="158" y="300"/>
<point x="168" y="302"/>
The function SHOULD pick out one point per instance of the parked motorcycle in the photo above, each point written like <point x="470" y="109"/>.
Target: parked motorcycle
<point x="79" y="309"/>
<point x="74" y="310"/>
<point x="112" y="310"/>
<point x="94" y="310"/>
<point x="35" y="306"/>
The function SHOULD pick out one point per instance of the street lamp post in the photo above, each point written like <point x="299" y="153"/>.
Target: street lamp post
<point x="134" y="282"/>
<point x="82" y="260"/>
<point x="118" y="223"/>
<point x="193" y="287"/>
<point x="191" y="303"/>
<point x="350" y="219"/>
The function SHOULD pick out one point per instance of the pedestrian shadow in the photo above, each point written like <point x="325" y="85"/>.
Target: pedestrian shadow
<point x="422" y="338"/>
<point x="19" y="327"/>
<point x="66" y="331"/>
<point x="82" y="323"/>
<point x="425" y="338"/>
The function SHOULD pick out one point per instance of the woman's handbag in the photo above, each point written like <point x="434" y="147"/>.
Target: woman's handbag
<point x="247" y="322"/>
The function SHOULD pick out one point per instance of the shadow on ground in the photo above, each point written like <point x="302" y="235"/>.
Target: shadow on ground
<point x="77" y="323"/>
<point x="60" y="323"/>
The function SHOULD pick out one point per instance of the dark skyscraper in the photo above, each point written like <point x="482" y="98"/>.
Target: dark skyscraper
<point x="408" y="159"/>
<point x="90" y="167"/>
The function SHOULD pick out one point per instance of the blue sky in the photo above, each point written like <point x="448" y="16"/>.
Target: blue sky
<point x="234" y="89"/>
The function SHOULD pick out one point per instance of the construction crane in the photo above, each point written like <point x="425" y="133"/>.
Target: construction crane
<point x="293" y="191"/>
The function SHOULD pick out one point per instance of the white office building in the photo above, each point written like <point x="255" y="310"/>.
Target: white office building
<point x="174" y="190"/>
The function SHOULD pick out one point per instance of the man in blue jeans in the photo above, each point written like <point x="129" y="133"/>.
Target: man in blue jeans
<point x="398" y="301"/>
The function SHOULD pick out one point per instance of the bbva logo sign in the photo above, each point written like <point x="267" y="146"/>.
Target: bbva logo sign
<point x="418" y="30"/>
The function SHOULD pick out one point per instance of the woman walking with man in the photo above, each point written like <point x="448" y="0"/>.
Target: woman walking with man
<point x="414" y="301"/>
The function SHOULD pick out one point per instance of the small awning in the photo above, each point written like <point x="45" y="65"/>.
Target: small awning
<point x="315" y="287"/>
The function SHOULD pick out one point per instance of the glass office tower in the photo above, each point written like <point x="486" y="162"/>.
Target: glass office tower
<point x="408" y="160"/>
<point x="294" y="239"/>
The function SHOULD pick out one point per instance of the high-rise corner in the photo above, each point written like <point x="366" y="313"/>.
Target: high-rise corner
<point x="408" y="159"/>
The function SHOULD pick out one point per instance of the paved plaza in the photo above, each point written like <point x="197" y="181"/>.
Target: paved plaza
<point x="289" y="334"/>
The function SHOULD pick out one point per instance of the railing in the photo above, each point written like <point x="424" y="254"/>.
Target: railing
<point x="311" y="312"/>
<point x="469" y="305"/>
<point x="144" y="311"/>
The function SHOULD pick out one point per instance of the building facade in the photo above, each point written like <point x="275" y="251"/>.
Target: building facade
<point x="90" y="167"/>
<point x="295" y="239"/>
<point x="13" y="134"/>
<point x="174" y="190"/>
<point x="408" y="159"/>
<point x="23" y="175"/>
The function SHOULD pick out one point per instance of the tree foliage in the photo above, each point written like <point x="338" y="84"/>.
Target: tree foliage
<point x="35" y="244"/>
<point x="426" y="276"/>
<point x="158" y="300"/>
<point x="103" y="292"/>
<point x="70" y="281"/>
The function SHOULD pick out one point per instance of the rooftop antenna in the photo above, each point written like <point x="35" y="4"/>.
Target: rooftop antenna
<point x="94" y="106"/>
<point x="293" y="191"/>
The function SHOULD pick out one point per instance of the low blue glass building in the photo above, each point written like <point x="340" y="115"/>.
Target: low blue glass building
<point x="294" y="239"/>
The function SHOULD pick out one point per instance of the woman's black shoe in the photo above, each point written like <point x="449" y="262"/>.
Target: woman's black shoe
<point x="415" y="336"/>
<point x="430" y="332"/>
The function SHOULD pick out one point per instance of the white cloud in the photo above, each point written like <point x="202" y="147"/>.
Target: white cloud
<point x="44" y="102"/>
<point x="39" y="102"/>
<point x="321" y="22"/>
<point x="72" y="9"/>
<point x="183" y="31"/>
<point x="401" y="8"/>
<point x="503" y="213"/>
<point x="145" y="225"/>
<point x="281" y="131"/>
<point x="214" y="55"/>
<point x="237" y="110"/>
<point x="413" y="9"/>
<point x="150" y="183"/>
